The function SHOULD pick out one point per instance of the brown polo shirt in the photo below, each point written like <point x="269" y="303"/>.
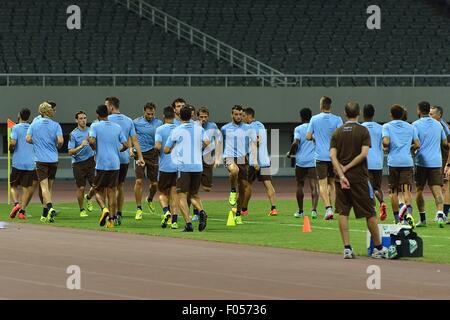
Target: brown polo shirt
<point x="348" y="141"/>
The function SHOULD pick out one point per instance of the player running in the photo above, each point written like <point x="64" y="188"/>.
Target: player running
<point x="436" y="112"/>
<point x="108" y="140"/>
<point x="398" y="135"/>
<point x="305" y="166"/>
<point x="167" y="180"/>
<point x="83" y="162"/>
<point x="46" y="136"/>
<point x="429" y="162"/>
<point x="129" y="132"/>
<point x="375" y="157"/>
<point x="186" y="145"/>
<point x="238" y="140"/>
<point x="320" y="129"/>
<point x="263" y="174"/>
<point x="146" y="126"/>
<point x="23" y="171"/>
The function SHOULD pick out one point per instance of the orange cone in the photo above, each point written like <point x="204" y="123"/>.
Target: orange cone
<point x="306" y="225"/>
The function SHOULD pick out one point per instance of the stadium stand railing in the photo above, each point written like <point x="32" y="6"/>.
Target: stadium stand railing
<point x="245" y="62"/>
<point x="224" y="80"/>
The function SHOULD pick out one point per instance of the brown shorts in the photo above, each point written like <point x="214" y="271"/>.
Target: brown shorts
<point x="123" y="172"/>
<point x="106" y="179"/>
<point x="253" y="174"/>
<point x="359" y="197"/>
<point x="151" y="164"/>
<point x="188" y="182"/>
<point x="302" y="173"/>
<point x="46" y="170"/>
<point x="242" y="164"/>
<point x="376" y="177"/>
<point x="207" y="176"/>
<point x="431" y="175"/>
<point x="324" y="169"/>
<point x="166" y="181"/>
<point x="399" y="176"/>
<point x="84" y="171"/>
<point x="23" y="178"/>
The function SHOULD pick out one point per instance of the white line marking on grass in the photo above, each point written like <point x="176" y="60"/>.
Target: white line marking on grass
<point x="282" y="224"/>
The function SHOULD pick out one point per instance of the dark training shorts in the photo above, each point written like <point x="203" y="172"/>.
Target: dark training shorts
<point x="359" y="197"/>
<point x="46" y="170"/>
<point x="151" y="164"/>
<point x="106" y="179"/>
<point x="324" y="169"/>
<point x="84" y="171"/>
<point x="166" y="181"/>
<point x="23" y="178"/>
<point x="188" y="182"/>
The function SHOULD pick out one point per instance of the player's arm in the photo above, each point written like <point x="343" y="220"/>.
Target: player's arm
<point x="74" y="150"/>
<point x="386" y="142"/>
<point x="29" y="138"/>
<point x="135" y="143"/>
<point x="294" y="147"/>
<point x="92" y="142"/>
<point x="415" y="144"/>
<point x="158" y="145"/>
<point x="12" y="144"/>
<point x="345" y="184"/>
<point x="309" y="131"/>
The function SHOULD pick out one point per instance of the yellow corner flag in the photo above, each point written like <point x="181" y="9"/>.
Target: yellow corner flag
<point x="10" y="124"/>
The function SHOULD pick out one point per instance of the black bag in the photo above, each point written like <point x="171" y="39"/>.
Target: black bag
<point x="408" y="243"/>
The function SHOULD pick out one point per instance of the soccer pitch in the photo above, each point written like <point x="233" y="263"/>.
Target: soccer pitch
<point x="282" y="231"/>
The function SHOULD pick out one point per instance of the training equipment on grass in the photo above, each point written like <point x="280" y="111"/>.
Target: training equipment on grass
<point x="230" y="220"/>
<point x="399" y="239"/>
<point x="306" y="224"/>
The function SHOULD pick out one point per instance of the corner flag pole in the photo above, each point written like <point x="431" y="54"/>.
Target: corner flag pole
<point x="10" y="124"/>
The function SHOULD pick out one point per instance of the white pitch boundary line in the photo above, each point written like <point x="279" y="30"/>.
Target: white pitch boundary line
<point x="274" y="223"/>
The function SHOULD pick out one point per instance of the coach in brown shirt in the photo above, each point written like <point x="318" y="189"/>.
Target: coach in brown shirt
<point x="349" y="147"/>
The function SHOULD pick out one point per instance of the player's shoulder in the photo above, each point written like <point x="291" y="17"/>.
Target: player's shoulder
<point x="138" y="119"/>
<point x="226" y="126"/>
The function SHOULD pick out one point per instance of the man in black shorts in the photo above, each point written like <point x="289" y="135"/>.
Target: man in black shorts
<point x="23" y="167"/>
<point x="349" y="147"/>
<point x="186" y="145"/>
<point x="83" y="163"/>
<point x="46" y="136"/>
<point x="108" y="140"/>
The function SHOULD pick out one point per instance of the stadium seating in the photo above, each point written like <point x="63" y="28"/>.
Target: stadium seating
<point x="296" y="37"/>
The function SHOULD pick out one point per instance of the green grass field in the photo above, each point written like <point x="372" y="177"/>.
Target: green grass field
<point x="283" y="231"/>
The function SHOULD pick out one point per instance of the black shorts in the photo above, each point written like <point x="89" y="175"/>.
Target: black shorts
<point x="106" y="179"/>
<point x="376" y="177"/>
<point x="22" y="178"/>
<point x="46" y="170"/>
<point x="123" y="172"/>
<point x="263" y="174"/>
<point x="324" y="169"/>
<point x="166" y="181"/>
<point x="302" y="173"/>
<point x="399" y="176"/>
<point x="359" y="197"/>
<point x="188" y="182"/>
<point x="84" y="171"/>
<point x="432" y="176"/>
<point x="207" y="176"/>
<point x="151" y="164"/>
<point x="242" y="165"/>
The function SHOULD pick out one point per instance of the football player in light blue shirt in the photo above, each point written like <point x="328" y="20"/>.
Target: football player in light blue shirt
<point x="185" y="144"/>
<point x="375" y="157"/>
<point x="108" y="140"/>
<point x="398" y="136"/>
<point x="128" y="130"/>
<point x="23" y="166"/>
<point x="305" y="164"/>
<point x="46" y="137"/>
<point x="177" y="104"/>
<point x="146" y="126"/>
<point x="167" y="178"/>
<point x="320" y="129"/>
<point x="436" y="112"/>
<point x="238" y="141"/>
<point x="263" y="174"/>
<point x="429" y="161"/>
<point x="83" y="162"/>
